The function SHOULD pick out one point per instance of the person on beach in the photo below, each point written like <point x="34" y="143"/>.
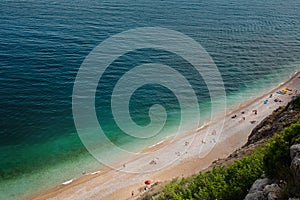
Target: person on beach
<point x="277" y="100"/>
<point x="132" y="193"/>
<point x="177" y="153"/>
<point x="153" y="162"/>
<point x="214" y="132"/>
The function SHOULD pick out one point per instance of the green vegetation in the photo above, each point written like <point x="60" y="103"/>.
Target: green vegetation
<point x="277" y="158"/>
<point x="234" y="182"/>
<point x="297" y="101"/>
<point x="230" y="182"/>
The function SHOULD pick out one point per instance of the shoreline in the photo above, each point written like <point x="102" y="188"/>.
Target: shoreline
<point x="231" y="109"/>
<point x="101" y="182"/>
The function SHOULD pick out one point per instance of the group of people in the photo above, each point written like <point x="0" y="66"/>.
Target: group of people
<point x="244" y="118"/>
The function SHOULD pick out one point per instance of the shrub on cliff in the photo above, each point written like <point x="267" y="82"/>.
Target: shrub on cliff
<point x="297" y="101"/>
<point x="277" y="159"/>
<point x="231" y="182"/>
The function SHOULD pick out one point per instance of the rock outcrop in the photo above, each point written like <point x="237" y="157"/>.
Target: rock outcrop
<point x="256" y="191"/>
<point x="295" y="168"/>
<point x="275" y="123"/>
<point x="266" y="189"/>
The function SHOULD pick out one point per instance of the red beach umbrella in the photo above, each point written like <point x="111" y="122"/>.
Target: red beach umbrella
<point x="147" y="182"/>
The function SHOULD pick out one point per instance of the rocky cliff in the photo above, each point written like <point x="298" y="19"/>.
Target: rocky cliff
<point x="267" y="189"/>
<point x="271" y="189"/>
<point x="276" y="122"/>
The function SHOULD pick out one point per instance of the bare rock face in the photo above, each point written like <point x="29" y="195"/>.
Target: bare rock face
<point x="258" y="195"/>
<point x="260" y="184"/>
<point x="256" y="191"/>
<point x="295" y="151"/>
<point x="295" y="168"/>
<point x="273" y="192"/>
<point x="264" y="189"/>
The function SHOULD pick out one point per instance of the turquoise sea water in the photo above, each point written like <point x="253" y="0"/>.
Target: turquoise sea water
<point x="256" y="45"/>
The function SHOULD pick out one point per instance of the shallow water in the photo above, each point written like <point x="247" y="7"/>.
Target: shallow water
<point x="256" y="45"/>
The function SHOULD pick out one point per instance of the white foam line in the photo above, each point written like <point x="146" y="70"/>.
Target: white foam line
<point x="160" y="142"/>
<point x="201" y="127"/>
<point x="96" y="172"/>
<point x="67" y="182"/>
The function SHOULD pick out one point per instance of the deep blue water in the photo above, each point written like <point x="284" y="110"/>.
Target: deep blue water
<point x="43" y="44"/>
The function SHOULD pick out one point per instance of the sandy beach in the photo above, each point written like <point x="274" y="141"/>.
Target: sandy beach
<point x="183" y="156"/>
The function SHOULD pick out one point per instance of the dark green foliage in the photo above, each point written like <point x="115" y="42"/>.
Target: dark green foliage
<point x="277" y="159"/>
<point x="297" y="101"/>
<point x="231" y="182"/>
<point x="242" y="174"/>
